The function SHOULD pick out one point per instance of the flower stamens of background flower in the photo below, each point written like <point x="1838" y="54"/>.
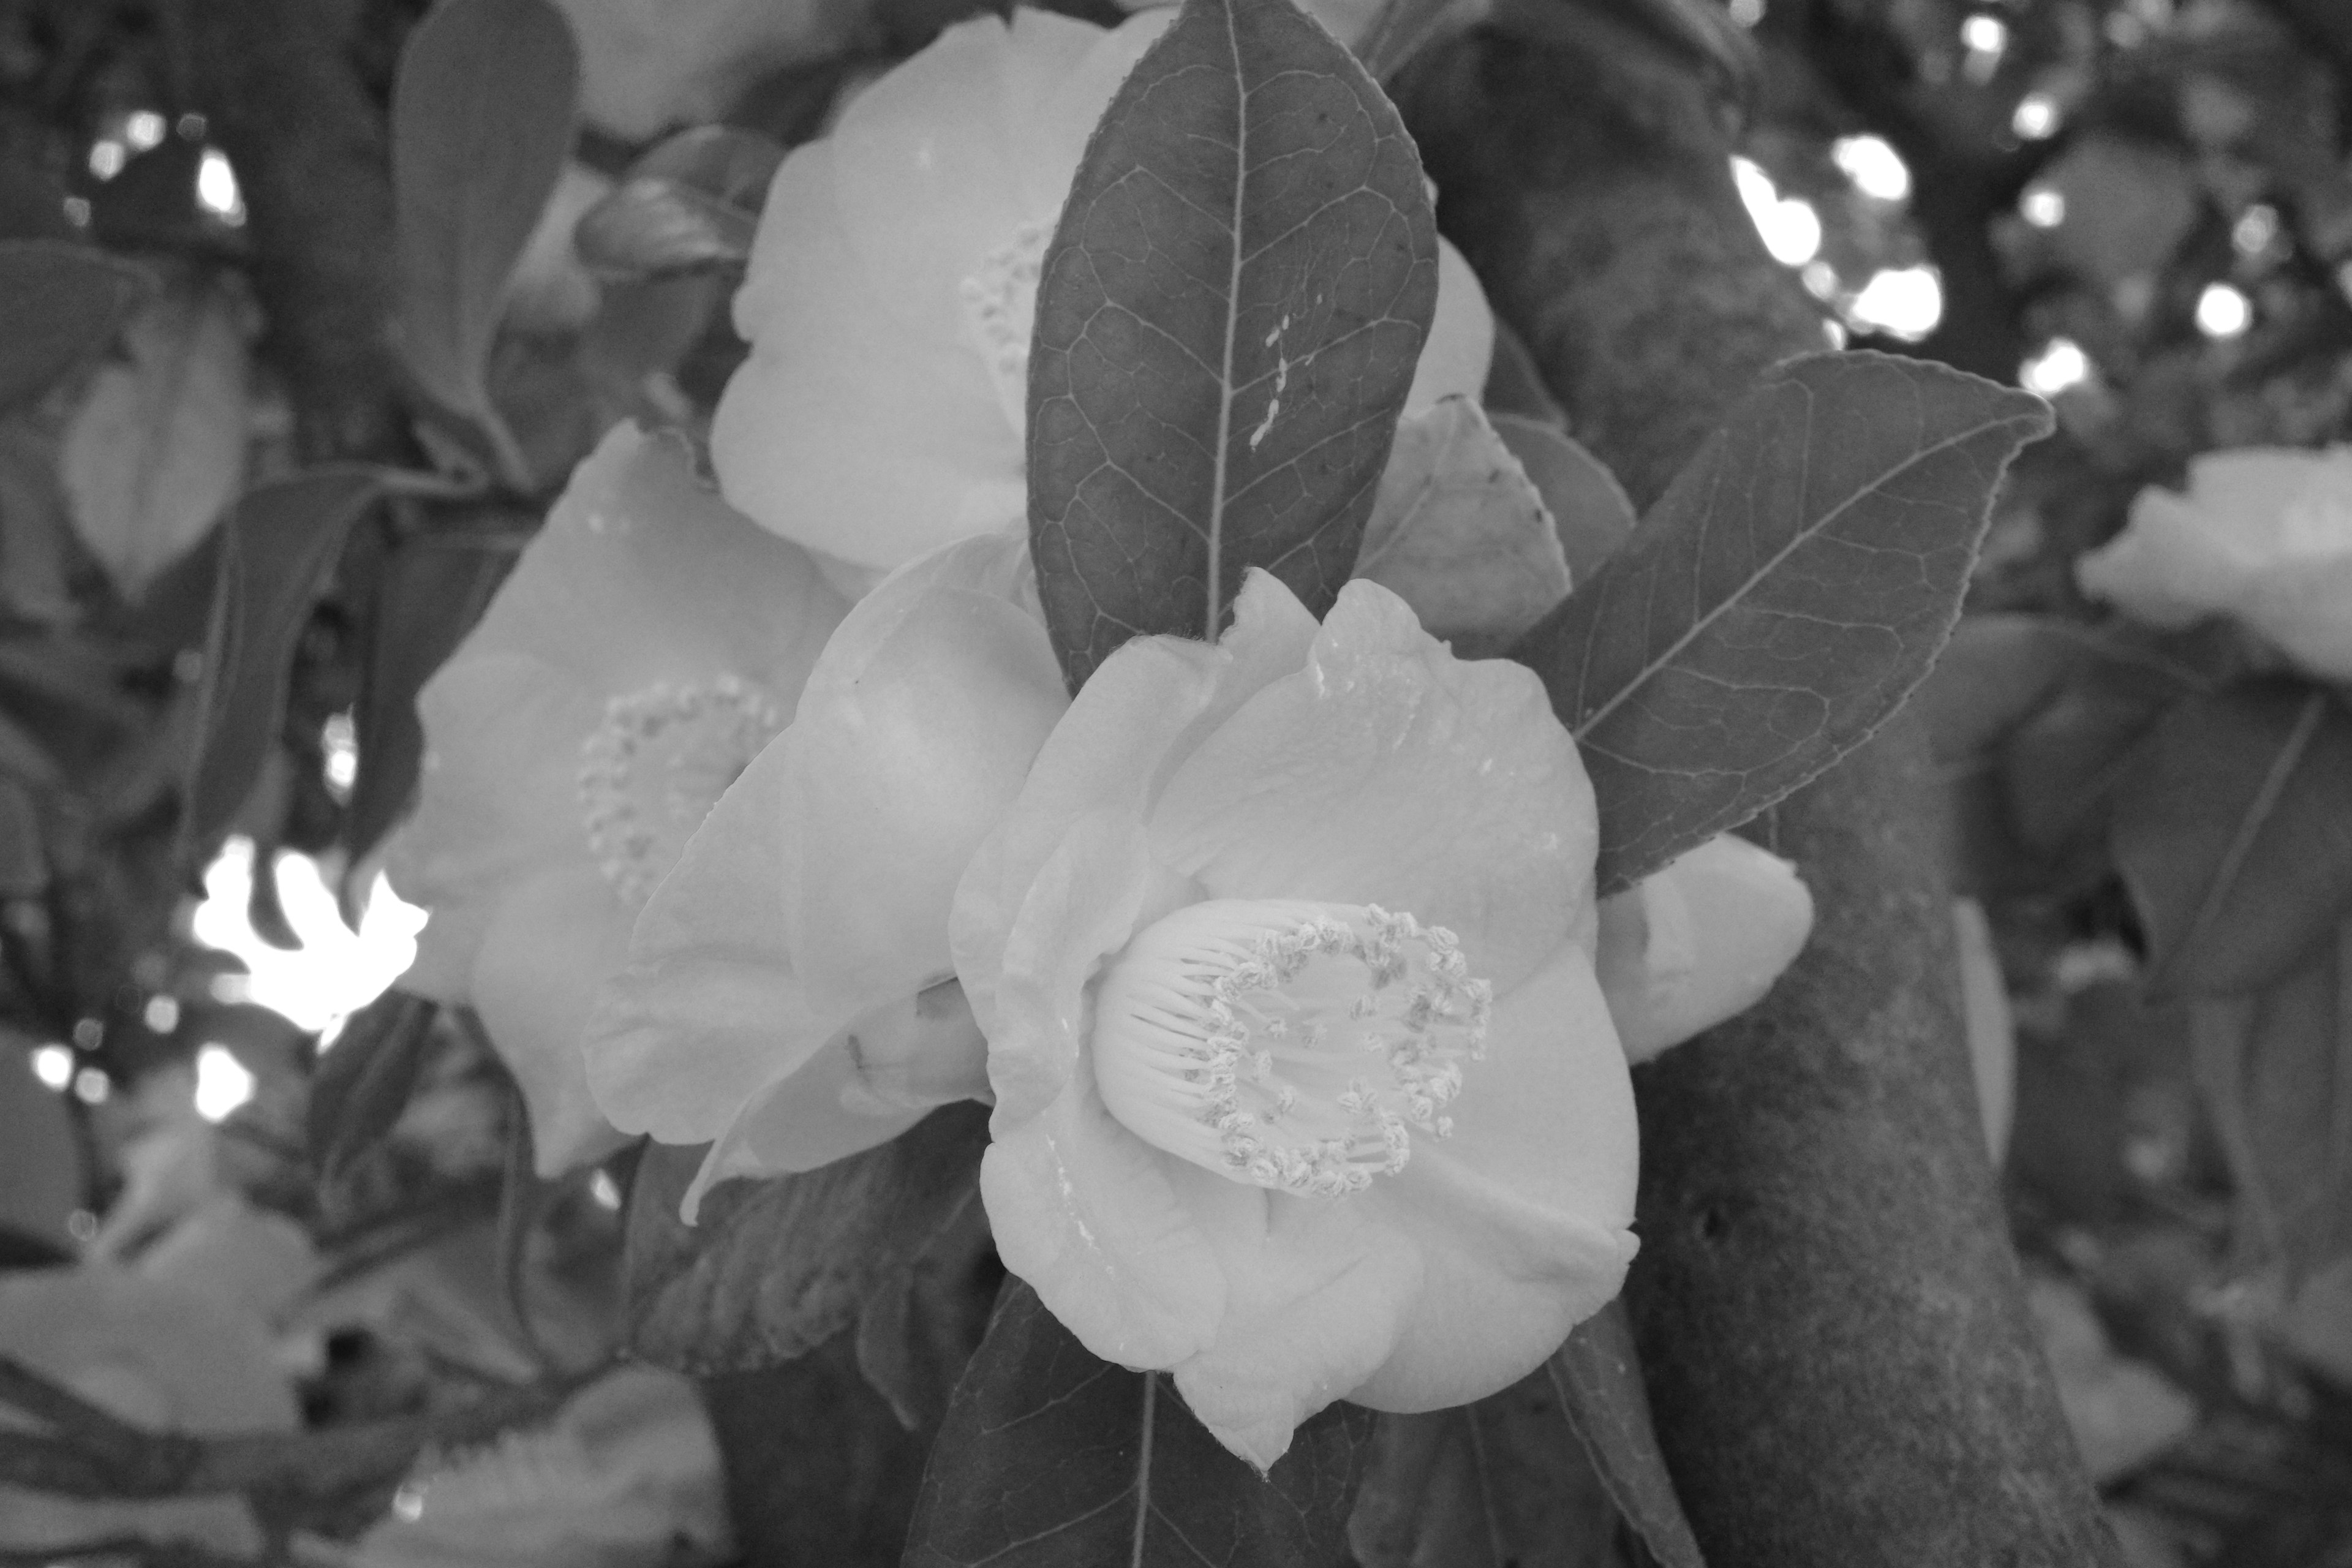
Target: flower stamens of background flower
<point x="1288" y="1043"/>
<point x="1000" y="305"/>
<point x="652" y="771"/>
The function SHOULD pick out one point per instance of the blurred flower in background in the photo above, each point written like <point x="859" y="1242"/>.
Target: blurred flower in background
<point x="648" y="65"/>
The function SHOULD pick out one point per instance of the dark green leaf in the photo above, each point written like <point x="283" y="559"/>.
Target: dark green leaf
<point x="277" y="549"/>
<point x="920" y="1327"/>
<point x="818" y="1472"/>
<point x="2060" y="767"/>
<point x="1050" y="1458"/>
<point x="58" y="303"/>
<point x="428" y="599"/>
<point x="1995" y="673"/>
<point x="777" y="1267"/>
<point x="1596" y="1376"/>
<point x="2275" y="1072"/>
<point x="481" y="119"/>
<point x="364" y="1081"/>
<point x="1227" y="323"/>
<point x="1782" y="598"/>
<point x="24" y="864"/>
<point x="1504" y="1483"/>
<point x="1589" y="508"/>
<point x="2233" y="834"/>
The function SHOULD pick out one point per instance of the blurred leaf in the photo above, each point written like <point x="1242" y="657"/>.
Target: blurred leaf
<point x="1228" y="320"/>
<point x="777" y="1267"/>
<point x="1504" y="1483"/>
<point x="1050" y="1458"/>
<point x="481" y="119"/>
<point x="1994" y="674"/>
<point x="157" y="451"/>
<point x="34" y="550"/>
<point x="1459" y="532"/>
<point x="1406" y="28"/>
<point x="1587" y="506"/>
<point x="58" y="303"/>
<point x="1516" y="386"/>
<point x="690" y="205"/>
<point x="364" y="1081"/>
<point x="919" y="1328"/>
<point x="428" y="597"/>
<point x="2274" y="1069"/>
<point x="1782" y="598"/>
<point x="278" y="545"/>
<point x="2061" y="766"/>
<point x="22" y="756"/>
<point x="1598" y="1377"/>
<point x="2234" y="833"/>
<point x="24" y="864"/>
<point x="2127" y="204"/>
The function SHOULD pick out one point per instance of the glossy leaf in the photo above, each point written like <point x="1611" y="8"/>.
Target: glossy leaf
<point x="1587" y="506"/>
<point x="430" y="596"/>
<point x="1051" y="1459"/>
<point x="1459" y="532"/>
<point x="778" y="1266"/>
<point x="1515" y="385"/>
<point x="1228" y="321"/>
<point x="157" y="451"/>
<point x="277" y="549"/>
<point x="1783" y="596"/>
<point x="1504" y="1483"/>
<point x="2233" y="834"/>
<point x="363" y="1083"/>
<point x="58" y="303"/>
<point x="1597" y="1376"/>
<point x="481" y="120"/>
<point x="690" y="205"/>
<point x="2274" y="1069"/>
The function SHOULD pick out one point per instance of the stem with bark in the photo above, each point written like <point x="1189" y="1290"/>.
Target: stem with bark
<point x="1839" y="1357"/>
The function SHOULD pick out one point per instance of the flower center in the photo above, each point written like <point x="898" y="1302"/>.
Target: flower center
<point x="652" y="771"/>
<point x="1288" y="1043"/>
<point x="1000" y="312"/>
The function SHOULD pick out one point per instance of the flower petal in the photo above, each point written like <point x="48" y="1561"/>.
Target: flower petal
<point x="1145" y="704"/>
<point x="1318" y="1293"/>
<point x="709" y="1008"/>
<point x="914" y="736"/>
<point x="2167" y="567"/>
<point x="809" y="1117"/>
<point x="1388" y="771"/>
<point x="812" y="437"/>
<point x="2306" y="608"/>
<point x="554" y="937"/>
<point x="1089" y="1215"/>
<point x="1522" y="1215"/>
<point x="641" y="575"/>
<point x="1700" y="941"/>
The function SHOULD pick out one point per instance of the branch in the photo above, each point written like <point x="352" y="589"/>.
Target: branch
<point x="1834" y="1329"/>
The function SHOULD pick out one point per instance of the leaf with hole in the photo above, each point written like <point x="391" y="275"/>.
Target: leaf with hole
<point x="1051" y="1459"/>
<point x="1783" y="596"/>
<point x="2232" y="833"/>
<point x="1228" y="321"/>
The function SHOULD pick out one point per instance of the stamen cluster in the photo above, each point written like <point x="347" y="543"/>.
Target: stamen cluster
<point x="656" y="764"/>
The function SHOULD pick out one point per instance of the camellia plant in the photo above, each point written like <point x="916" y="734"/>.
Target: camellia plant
<point x="1078" y="851"/>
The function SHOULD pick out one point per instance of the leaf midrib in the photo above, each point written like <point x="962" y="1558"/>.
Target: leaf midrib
<point x="1225" y="390"/>
<point x="1797" y="540"/>
<point x="2259" y="812"/>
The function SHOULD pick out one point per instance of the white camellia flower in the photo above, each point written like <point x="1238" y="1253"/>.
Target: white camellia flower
<point x="2263" y="536"/>
<point x="646" y="646"/>
<point x="893" y="287"/>
<point x="648" y="65"/>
